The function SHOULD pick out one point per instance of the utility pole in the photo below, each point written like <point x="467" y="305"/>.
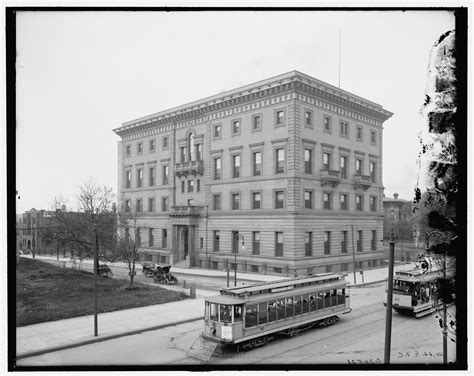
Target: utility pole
<point x="353" y="255"/>
<point x="388" y="319"/>
<point x="237" y="237"/>
<point x="96" y="261"/>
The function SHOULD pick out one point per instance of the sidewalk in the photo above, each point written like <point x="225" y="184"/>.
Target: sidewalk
<point x="51" y="336"/>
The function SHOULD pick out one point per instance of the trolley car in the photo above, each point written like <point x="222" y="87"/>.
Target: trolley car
<point x="415" y="291"/>
<point x="250" y="316"/>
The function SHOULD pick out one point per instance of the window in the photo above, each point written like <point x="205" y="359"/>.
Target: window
<point x="165" y="142"/>
<point x="373" y="137"/>
<point x="198" y="185"/>
<point x="373" y="203"/>
<point x="217" y="168"/>
<point x="183" y="186"/>
<point x="373" y="242"/>
<point x="308" y="168"/>
<point x="327" y="200"/>
<point x="164" y="204"/>
<point x="359" y="133"/>
<point x="280" y="118"/>
<point x="326" y="161"/>
<point x="151" y="176"/>
<point x="235" y="242"/>
<point x="235" y="127"/>
<point x="128" y="206"/>
<point x="343" y="166"/>
<point x="343" y="198"/>
<point x="257" y="163"/>
<point x="359" y="166"/>
<point x="198" y="152"/>
<point x="164" y="238"/>
<point x="256" y="200"/>
<point x="182" y="154"/>
<point x="344" y="242"/>
<point x="139" y="206"/>
<point x="216" y="241"/>
<point x="216" y="201"/>
<point x="308" y="199"/>
<point x="344" y="128"/>
<point x="128" y="150"/>
<point x="217" y="131"/>
<point x="165" y="174"/>
<point x="151" y="205"/>
<point x="359" y="202"/>
<point x="128" y="179"/>
<point x="150" y="237"/>
<point x="359" y="241"/>
<point x="279" y="199"/>
<point x="308" y="118"/>
<point x="279" y="244"/>
<point x="280" y="161"/>
<point x="327" y="124"/>
<point x="190" y="185"/>
<point x="373" y="171"/>
<point x="256" y="123"/>
<point x="255" y="242"/>
<point x="201" y="243"/>
<point x="190" y="148"/>
<point x="235" y="201"/>
<point x="151" y="146"/>
<point x="139" y="177"/>
<point x="236" y="166"/>
<point x="308" y="241"/>
<point x="140" y="148"/>
<point x="327" y="242"/>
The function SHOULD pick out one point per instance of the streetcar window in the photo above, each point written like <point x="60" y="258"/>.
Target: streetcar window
<point x="237" y="313"/>
<point x="327" y="299"/>
<point x="206" y="311"/>
<point x="289" y="307"/>
<point x="214" y="313"/>
<point x="305" y="303"/>
<point x="250" y="315"/>
<point x="312" y="302"/>
<point x="334" y="297"/>
<point x="280" y="306"/>
<point x="297" y="305"/>
<point x="262" y="313"/>
<point x="320" y="300"/>
<point x="271" y="311"/>
<point x="226" y="313"/>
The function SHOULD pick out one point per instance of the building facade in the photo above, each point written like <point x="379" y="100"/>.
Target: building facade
<point x="280" y="176"/>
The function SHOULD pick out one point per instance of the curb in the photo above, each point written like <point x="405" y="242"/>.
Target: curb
<point x="105" y="338"/>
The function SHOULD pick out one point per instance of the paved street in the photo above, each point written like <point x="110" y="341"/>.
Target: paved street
<point x="358" y="337"/>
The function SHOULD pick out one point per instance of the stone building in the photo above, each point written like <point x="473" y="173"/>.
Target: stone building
<point x="280" y="176"/>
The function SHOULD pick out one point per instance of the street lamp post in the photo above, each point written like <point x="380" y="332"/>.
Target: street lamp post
<point x="388" y="315"/>
<point x="96" y="262"/>
<point x="237" y="237"/>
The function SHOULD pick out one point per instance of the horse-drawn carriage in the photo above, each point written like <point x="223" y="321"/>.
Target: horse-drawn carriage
<point x="160" y="273"/>
<point x="105" y="271"/>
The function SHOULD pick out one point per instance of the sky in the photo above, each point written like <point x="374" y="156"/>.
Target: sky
<point x="82" y="74"/>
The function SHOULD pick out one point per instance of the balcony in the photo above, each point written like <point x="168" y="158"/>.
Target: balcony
<point x="362" y="181"/>
<point x="331" y="177"/>
<point x="185" y="211"/>
<point x="190" y="167"/>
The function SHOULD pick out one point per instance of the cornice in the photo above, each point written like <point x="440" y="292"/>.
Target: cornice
<point x="303" y="87"/>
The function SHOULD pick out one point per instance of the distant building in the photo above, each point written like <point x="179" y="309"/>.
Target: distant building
<point x="278" y="176"/>
<point x="397" y="211"/>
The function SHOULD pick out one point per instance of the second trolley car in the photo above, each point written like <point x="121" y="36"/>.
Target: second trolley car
<point x="251" y="316"/>
<point x="415" y="291"/>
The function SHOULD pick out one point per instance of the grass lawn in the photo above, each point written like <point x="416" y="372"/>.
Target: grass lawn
<point x="47" y="293"/>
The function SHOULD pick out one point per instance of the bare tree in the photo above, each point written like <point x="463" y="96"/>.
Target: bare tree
<point x="129" y="240"/>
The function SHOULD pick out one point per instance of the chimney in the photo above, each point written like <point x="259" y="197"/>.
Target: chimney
<point x="395" y="196"/>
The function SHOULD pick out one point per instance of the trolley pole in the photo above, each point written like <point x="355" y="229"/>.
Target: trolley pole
<point x="388" y="319"/>
<point x="445" y="321"/>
